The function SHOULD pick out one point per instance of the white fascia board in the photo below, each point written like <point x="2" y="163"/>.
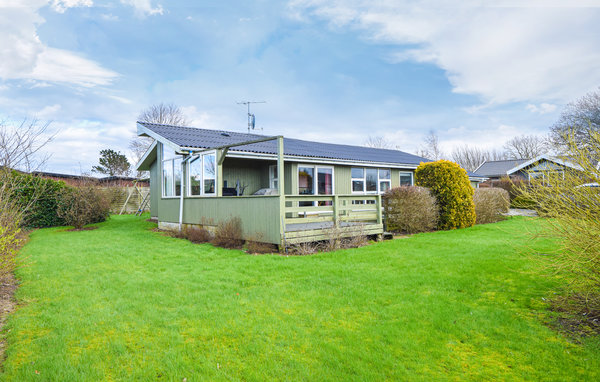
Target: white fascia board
<point x="478" y="178"/>
<point x="145" y="156"/>
<point x="144" y="131"/>
<point x="546" y="157"/>
<point x="294" y="158"/>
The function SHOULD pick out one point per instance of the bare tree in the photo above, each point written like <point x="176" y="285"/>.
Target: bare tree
<point x="526" y="147"/>
<point x="166" y="114"/>
<point x="578" y="123"/>
<point x="20" y="144"/>
<point x="470" y="157"/>
<point x="378" y="142"/>
<point x="430" y="148"/>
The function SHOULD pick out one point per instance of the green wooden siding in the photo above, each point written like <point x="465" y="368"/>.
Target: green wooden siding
<point x="395" y="178"/>
<point x="259" y="214"/>
<point x="343" y="180"/>
<point x="290" y="178"/>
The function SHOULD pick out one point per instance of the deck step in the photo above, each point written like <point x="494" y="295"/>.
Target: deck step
<point x="388" y="236"/>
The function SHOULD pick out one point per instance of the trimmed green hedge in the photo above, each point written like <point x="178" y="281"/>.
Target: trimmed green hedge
<point x="39" y="197"/>
<point x="450" y="185"/>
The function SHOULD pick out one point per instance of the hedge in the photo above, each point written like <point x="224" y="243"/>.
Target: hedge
<point x="38" y="197"/>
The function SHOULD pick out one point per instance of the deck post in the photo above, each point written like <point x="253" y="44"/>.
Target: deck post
<point x="335" y="210"/>
<point x="379" y="214"/>
<point x="280" y="188"/>
<point x="220" y="159"/>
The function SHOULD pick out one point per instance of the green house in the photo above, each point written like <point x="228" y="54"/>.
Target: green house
<point x="285" y="191"/>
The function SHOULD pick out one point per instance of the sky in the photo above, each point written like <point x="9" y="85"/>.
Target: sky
<point x="474" y="72"/>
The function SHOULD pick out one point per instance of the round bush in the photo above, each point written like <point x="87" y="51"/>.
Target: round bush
<point x="450" y="185"/>
<point x="410" y="209"/>
<point x="490" y="204"/>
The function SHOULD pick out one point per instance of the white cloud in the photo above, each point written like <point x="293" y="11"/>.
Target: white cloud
<point x="144" y="7"/>
<point x="48" y="112"/>
<point x="25" y="57"/>
<point x="510" y="51"/>
<point x="61" y="6"/>
<point x="543" y="108"/>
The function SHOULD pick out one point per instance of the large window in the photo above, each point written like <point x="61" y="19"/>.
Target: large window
<point x="371" y="180"/>
<point x="202" y="175"/>
<point x="309" y="184"/>
<point x="171" y="172"/>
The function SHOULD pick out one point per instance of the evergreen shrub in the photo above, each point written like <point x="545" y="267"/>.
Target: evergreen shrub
<point x="450" y="185"/>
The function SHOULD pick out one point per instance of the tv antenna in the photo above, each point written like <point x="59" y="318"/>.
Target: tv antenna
<point x="251" y="117"/>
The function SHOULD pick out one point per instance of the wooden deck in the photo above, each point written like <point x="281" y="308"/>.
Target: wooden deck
<point x="313" y="218"/>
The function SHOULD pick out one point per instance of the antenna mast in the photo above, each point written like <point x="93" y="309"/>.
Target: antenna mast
<point x="251" y="118"/>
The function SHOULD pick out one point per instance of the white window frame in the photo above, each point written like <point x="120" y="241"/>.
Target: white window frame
<point x="273" y="180"/>
<point x="412" y="177"/>
<point x="381" y="180"/>
<point x="316" y="168"/>
<point x="171" y="161"/>
<point x="203" y="193"/>
<point x="316" y="178"/>
<point x="364" y="180"/>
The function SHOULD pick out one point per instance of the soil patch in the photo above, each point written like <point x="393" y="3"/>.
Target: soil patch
<point x="573" y="322"/>
<point x="8" y="285"/>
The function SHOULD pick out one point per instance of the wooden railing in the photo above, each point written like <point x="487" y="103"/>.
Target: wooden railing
<point x="332" y="208"/>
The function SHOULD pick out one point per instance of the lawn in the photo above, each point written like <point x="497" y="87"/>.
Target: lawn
<point x="125" y="303"/>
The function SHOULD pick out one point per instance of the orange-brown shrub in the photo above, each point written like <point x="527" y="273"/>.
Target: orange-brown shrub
<point x="229" y="234"/>
<point x="83" y="205"/>
<point x="198" y="235"/>
<point x="490" y="204"/>
<point x="410" y="209"/>
<point x="259" y="247"/>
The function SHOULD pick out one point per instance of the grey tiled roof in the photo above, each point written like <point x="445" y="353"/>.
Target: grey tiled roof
<point x="498" y="167"/>
<point x="204" y="138"/>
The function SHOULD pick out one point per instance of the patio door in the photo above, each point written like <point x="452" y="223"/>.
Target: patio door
<point x="315" y="180"/>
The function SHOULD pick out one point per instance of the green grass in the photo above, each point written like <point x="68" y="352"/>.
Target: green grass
<point x="125" y="303"/>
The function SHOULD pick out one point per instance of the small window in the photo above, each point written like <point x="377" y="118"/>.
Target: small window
<point x="357" y="172"/>
<point x="406" y="179"/>
<point x="385" y="174"/>
<point x="384" y="185"/>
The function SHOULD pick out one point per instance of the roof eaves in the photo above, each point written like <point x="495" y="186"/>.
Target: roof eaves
<point x="146" y="160"/>
<point x="143" y="130"/>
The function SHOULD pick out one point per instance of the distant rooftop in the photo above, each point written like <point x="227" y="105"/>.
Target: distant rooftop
<point x="498" y="168"/>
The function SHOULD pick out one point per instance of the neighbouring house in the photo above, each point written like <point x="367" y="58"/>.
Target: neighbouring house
<point x="525" y="169"/>
<point x="284" y="191"/>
